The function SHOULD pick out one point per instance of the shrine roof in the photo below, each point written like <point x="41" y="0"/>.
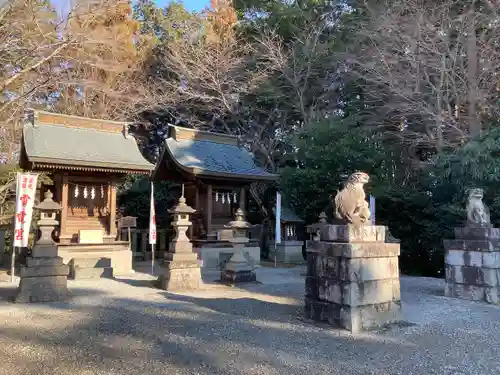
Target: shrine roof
<point x="68" y="142"/>
<point x="210" y="155"/>
<point x="288" y="216"/>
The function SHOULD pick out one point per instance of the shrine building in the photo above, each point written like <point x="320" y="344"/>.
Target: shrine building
<point x="216" y="171"/>
<point x="86" y="159"/>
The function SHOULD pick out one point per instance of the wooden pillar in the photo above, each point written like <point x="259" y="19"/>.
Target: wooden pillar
<point x="197" y="198"/>
<point x="197" y="208"/>
<point x="243" y="199"/>
<point x="208" y="213"/>
<point x="112" y="210"/>
<point x="64" y="204"/>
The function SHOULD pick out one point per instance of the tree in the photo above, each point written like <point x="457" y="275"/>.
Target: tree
<point x="103" y="73"/>
<point x="430" y="71"/>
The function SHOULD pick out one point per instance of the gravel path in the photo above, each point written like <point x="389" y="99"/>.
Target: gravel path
<point x="126" y="327"/>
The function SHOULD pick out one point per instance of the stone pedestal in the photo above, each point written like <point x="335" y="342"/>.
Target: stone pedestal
<point x="238" y="269"/>
<point x="181" y="269"/>
<point x="352" y="278"/>
<point x="45" y="277"/>
<point x="288" y="251"/>
<point x="472" y="264"/>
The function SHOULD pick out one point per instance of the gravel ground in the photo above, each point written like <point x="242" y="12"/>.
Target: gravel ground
<point x="127" y="327"/>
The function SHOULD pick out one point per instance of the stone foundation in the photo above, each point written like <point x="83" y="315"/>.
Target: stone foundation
<point x="286" y="252"/>
<point x="179" y="279"/>
<point x="44" y="279"/>
<point x="216" y="256"/>
<point x="353" y="278"/>
<point x="472" y="264"/>
<point x="118" y="252"/>
<point x="90" y="268"/>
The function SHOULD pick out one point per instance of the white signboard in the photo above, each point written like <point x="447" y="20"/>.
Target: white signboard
<point x="372" y="209"/>
<point x="25" y="198"/>
<point x="152" y="219"/>
<point x="278" y="219"/>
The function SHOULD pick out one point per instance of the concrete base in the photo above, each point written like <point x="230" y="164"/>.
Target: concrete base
<point x="353" y="278"/>
<point x="472" y="264"/>
<point x="287" y="252"/>
<point x="118" y="252"/>
<point x="43" y="280"/>
<point x="90" y="268"/>
<point x="179" y="279"/>
<point x="215" y="257"/>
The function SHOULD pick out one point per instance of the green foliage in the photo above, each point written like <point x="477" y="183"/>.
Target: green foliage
<point x="134" y="200"/>
<point x="328" y="152"/>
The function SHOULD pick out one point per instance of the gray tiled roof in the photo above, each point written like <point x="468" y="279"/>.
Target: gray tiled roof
<point x="53" y="144"/>
<point x="213" y="158"/>
<point x="287" y="215"/>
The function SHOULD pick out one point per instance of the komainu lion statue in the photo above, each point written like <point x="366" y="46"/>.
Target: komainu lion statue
<point x="350" y="203"/>
<point x="477" y="212"/>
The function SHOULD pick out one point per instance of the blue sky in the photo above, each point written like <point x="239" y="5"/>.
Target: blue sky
<point x="191" y="5"/>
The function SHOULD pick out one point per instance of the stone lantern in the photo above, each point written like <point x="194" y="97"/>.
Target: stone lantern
<point x="44" y="278"/>
<point x="238" y="268"/>
<point x="181" y="269"/>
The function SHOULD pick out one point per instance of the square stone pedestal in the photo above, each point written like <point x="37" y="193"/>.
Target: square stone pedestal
<point x="472" y="264"/>
<point x="353" y="278"/>
<point x="288" y="251"/>
<point x="233" y="276"/>
<point x="44" y="278"/>
<point x="181" y="271"/>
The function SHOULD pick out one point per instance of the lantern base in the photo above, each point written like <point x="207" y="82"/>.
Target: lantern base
<point x="234" y="277"/>
<point x="178" y="276"/>
<point x="44" y="279"/>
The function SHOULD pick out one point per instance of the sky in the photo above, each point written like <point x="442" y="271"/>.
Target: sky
<point x="191" y="5"/>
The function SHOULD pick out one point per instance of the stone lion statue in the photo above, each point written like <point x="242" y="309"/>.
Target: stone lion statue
<point x="350" y="203"/>
<point x="477" y="212"/>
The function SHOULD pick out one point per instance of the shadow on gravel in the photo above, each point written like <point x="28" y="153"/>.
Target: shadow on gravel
<point x="250" y="308"/>
<point x="8" y="292"/>
<point x="188" y="335"/>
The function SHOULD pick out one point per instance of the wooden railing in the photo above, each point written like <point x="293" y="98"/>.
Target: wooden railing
<point x="139" y="242"/>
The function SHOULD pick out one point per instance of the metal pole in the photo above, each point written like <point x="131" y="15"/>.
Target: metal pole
<point x="153" y="259"/>
<point x="12" y="264"/>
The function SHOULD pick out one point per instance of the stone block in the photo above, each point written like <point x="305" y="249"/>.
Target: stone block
<point x="42" y="271"/>
<point x="354" y="319"/>
<point x="44" y="262"/>
<point x="181" y="258"/>
<point x="287" y="252"/>
<point x="472" y="245"/>
<point x="358" y="294"/>
<point x="91" y="273"/>
<point x="477" y="233"/>
<point x="471" y="275"/>
<point x="91" y="262"/>
<point x="469" y="292"/>
<point x="354" y="269"/>
<point x="464" y="258"/>
<point x="352" y="233"/>
<point x="91" y="236"/>
<point x="181" y="279"/>
<point x="491" y="259"/>
<point x="354" y="250"/>
<point x="44" y="251"/>
<point x="42" y="289"/>
<point x="234" y="277"/>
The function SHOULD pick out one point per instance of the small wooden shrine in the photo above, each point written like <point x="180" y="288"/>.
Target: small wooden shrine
<point x="216" y="172"/>
<point x="292" y="237"/>
<point x="86" y="159"/>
